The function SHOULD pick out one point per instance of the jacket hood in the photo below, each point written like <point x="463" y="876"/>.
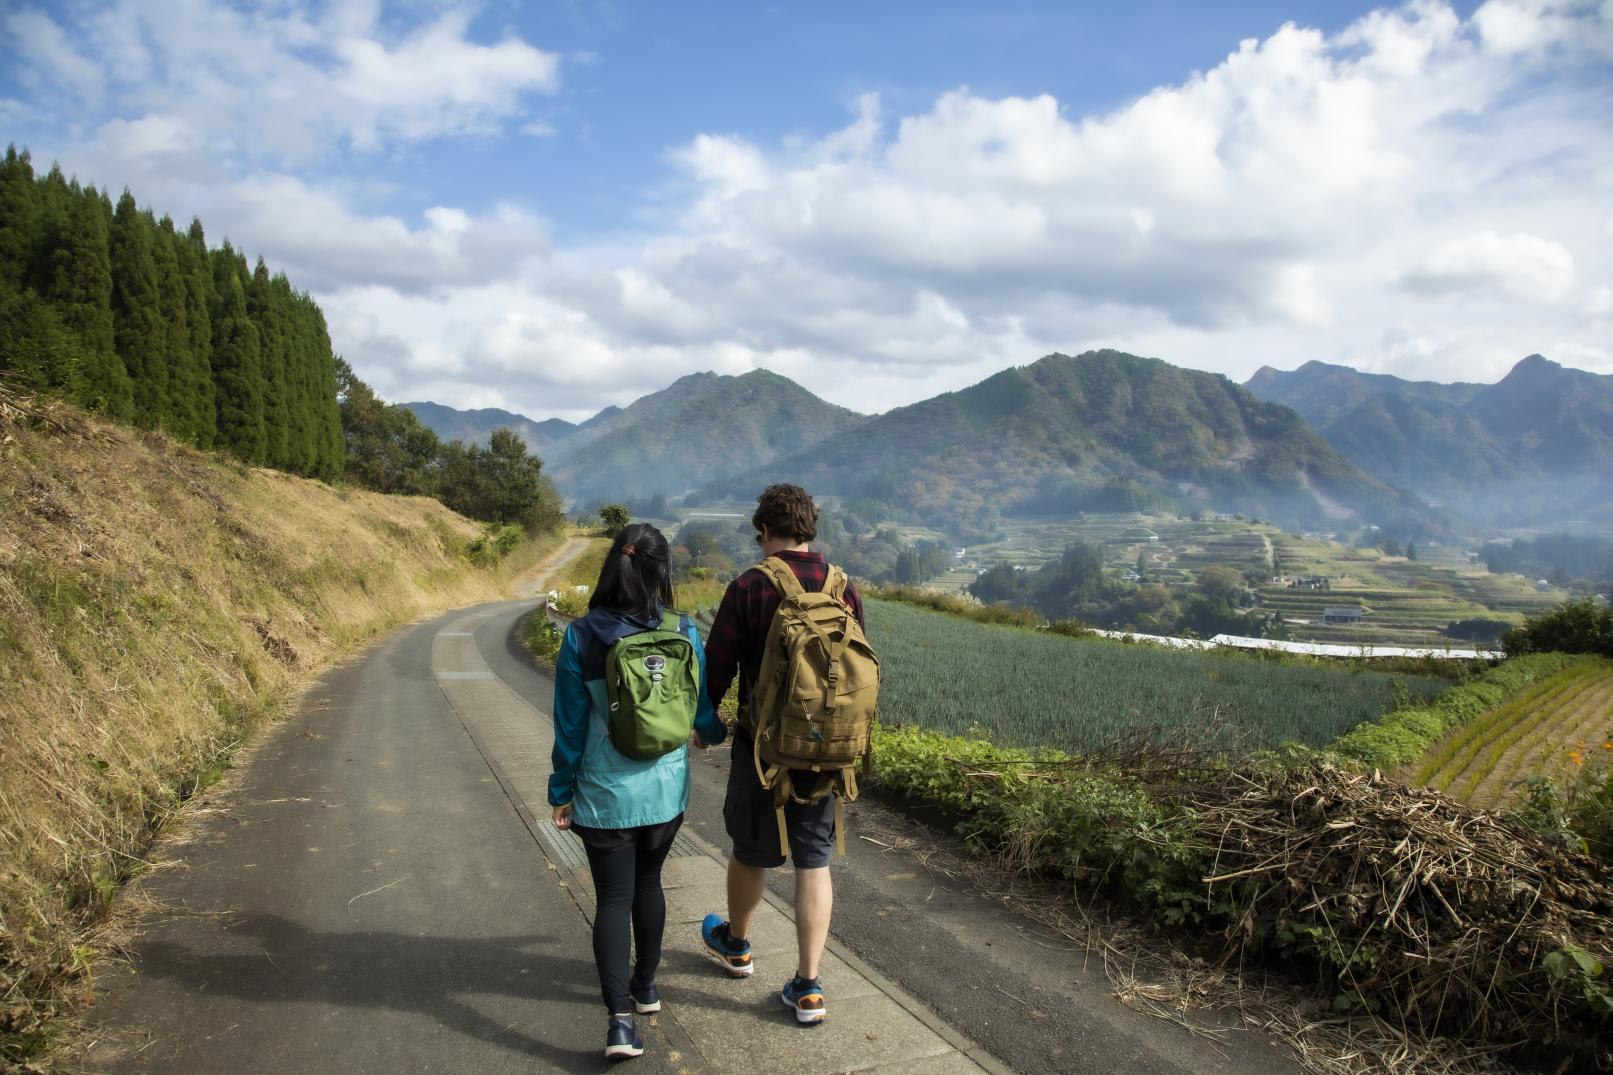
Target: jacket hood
<point x="597" y="630"/>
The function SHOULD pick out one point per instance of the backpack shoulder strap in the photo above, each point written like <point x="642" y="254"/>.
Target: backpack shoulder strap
<point x="782" y="577"/>
<point x="835" y="584"/>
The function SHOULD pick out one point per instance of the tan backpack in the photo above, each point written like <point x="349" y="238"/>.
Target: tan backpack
<point x="815" y="698"/>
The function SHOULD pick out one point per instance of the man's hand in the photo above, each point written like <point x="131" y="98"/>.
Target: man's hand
<point x="699" y="742"/>
<point x="562" y="816"/>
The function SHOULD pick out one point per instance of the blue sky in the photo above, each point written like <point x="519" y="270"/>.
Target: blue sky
<point x="554" y="207"/>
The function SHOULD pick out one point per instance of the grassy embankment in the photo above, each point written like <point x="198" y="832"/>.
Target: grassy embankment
<point x="157" y="604"/>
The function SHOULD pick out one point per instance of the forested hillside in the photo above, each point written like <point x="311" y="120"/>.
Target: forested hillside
<point x="1102" y="431"/>
<point x="124" y="314"/>
<point x="699" y="427"/>
<point x="1535" y="448"/>
<point x="128" y="315"/>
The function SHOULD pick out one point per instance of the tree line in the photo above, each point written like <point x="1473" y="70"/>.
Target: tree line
<point x="127" y="315"/>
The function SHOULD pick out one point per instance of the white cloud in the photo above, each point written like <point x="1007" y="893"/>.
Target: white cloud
<point x="56" y="63"/>
<point x="436" y="82"/>
<point x="1525" y="267"/>
<point x="1509" y="27"/>
<point x="323" y="244"/>
<point x="280" y="79"/>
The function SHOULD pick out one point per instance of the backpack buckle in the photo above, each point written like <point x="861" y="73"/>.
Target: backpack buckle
<point x="834" y="671"/>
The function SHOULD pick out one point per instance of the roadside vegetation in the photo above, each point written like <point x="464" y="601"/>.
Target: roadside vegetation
<point x="157" y="605"/>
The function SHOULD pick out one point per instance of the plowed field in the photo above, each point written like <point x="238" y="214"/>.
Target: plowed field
<point x="1545" y="730"/>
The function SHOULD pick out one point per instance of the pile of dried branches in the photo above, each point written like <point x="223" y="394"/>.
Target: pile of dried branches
<point x="17" y="408"/>
<point x="1438" y="919"/>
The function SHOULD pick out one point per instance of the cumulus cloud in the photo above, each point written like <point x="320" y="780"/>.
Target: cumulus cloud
<point x="1351" y="198"/>
<point x="1525" y="267"/>
<point x="281" y="79"/>
<point x="1420" y="193"/>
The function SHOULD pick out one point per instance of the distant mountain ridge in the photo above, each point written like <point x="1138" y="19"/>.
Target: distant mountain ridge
<point x="477" y="425"/>
<point x="1097" y="431"/>
<point x="1536" y="448"/>
<point x="698" y="428"/>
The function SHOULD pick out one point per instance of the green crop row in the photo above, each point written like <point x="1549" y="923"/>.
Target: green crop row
<point x="1405" y="734"/>
<point x="1457" y="755"/>
<point x="1033" y="689"/>
<point x="1543" y="746"/>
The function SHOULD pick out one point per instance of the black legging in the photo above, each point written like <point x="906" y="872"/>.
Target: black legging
<point x="626" y="866"/>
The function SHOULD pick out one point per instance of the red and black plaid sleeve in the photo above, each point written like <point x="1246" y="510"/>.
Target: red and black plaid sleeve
<point x="725" y="643"/>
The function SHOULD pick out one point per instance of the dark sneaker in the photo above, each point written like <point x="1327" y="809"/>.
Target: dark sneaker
<point x="733" y="956"/>
<point x="646" y="1001"/>
<point x="622" y="1041"/>
<point x="805" y="999"/>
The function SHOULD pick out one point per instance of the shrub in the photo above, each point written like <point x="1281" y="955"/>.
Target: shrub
<point x="494" y="544"/>
<point x="1582" y="626"/>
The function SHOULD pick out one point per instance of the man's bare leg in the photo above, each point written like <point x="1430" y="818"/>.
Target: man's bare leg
<point x="814" y="904"/>
<point x="745" y="886"/>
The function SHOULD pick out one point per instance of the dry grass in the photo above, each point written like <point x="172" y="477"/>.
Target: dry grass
<point x="156" y="603"/>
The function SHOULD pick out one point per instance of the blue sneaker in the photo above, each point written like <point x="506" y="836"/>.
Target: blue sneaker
<point x="733" y="956"/>
<point x="622" y="1041"/>
<point x="646" y="1001"/>
<point x="805" y="999"/>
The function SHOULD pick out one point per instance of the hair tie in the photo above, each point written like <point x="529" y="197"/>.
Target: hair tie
<point x="629" y="549"/>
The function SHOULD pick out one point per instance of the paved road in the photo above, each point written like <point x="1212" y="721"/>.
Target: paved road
<point x="377" y="890"/>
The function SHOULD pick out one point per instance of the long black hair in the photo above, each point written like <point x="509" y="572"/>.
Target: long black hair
<point x="637" y="576"/>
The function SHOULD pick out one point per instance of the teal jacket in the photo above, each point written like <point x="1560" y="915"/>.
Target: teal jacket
<point x="606" y="789"/>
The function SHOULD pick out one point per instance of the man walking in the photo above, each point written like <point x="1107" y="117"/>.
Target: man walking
<point x="786" y="520"/>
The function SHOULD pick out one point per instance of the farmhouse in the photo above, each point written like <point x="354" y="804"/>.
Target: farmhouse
<point x="1342" y="615"/>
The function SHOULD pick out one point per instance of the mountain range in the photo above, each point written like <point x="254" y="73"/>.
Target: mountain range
<point x="1100" y="431"/>
<point x="1323" y="445"/>
<point x="1534" y="449"/>
<point x="1104" y="430"/>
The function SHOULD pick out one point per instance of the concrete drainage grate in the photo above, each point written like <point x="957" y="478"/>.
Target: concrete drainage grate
<point x="566" y="848"/>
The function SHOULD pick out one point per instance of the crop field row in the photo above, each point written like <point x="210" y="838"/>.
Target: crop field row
<point x="1542" y="731"/>
<point x="1019" y="688"/>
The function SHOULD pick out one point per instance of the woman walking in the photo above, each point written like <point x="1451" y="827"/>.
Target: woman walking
<point x="625" y="809"/>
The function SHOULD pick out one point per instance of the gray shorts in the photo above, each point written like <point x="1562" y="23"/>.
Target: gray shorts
<point x="752" y="821"/>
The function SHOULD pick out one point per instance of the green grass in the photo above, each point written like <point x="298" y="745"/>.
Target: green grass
<point x="1031" y="689"/>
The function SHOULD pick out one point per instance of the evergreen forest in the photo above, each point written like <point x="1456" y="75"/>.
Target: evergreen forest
<point x="127" y="315"/>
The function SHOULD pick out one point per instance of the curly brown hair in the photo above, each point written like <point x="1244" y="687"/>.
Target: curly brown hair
<point x="786" y="510"/>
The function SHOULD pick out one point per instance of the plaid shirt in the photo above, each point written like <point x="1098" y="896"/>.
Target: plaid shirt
<point x="740" y="630"/>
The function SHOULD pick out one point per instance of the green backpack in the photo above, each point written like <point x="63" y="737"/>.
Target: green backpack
<point x="652" y="683"/>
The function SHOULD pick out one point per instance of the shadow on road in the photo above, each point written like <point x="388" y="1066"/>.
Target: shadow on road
<point x="436" y="976"/>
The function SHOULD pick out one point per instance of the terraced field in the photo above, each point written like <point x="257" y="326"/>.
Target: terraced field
<point x="1407" y="602"/>
<point x="1547" y="729"/>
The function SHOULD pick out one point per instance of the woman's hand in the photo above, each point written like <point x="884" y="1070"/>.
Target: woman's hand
<point x="562" y="816"/>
